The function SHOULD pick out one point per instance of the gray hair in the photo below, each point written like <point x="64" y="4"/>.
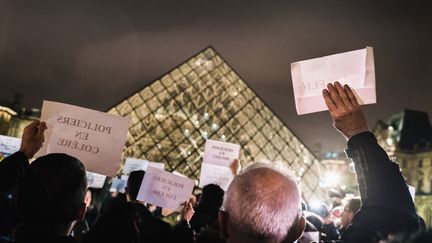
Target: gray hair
<point x="263" y="204"/>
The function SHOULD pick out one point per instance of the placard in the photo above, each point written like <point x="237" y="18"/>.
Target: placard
<point x="118" y="184"/>
<point x="164" y="189"/>
<point x="95" y="180"/>
<point x="310" y="77"/>
<point x="9" y="145"/>
<point x="96" y="138"/>
<point x="215" y="174"/>
<point x="133" y="164"/>
<point x="220" y="153"/>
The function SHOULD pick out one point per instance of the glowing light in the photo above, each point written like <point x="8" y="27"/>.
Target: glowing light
<point x="214" y="126"/>
<point x="330" y="179"/>
<point x="315" y="204"/>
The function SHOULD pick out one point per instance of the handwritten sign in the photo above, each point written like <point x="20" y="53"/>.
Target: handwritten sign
<point x="310" y="77"/>
<point x="95" y="180"/>
<point x="164" y="189"/>
<point x="220" y="153"/>
<point x="215" y="174"/>
<point x="132" y="164"/>
<point x="96" y="138"/>
<point x="9" y="145"/>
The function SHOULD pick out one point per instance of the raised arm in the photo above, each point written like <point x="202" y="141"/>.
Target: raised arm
<point x="387" y="206"/>
<point x="13" y="166"/>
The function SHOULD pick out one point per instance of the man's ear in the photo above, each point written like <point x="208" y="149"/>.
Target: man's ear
<point x="223" y="218"/>
<point x="81" y="212"/>
<point x="297" y="230"/>
<point x="300" y="227"/>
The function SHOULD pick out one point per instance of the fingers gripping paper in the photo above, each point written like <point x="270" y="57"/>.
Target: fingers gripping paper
<point x="164" y="189"/>
<point x="310" y="77"/>
<point x="96" y="138"/>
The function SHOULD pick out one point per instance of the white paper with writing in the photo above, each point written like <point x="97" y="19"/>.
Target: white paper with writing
<point x="9" y="145"/>
<point x="215" y="174"/>
<point x="310" y="77"/>
<point x="96" y="138"/>
<point x="220" y="153"/>
<point x="95" y="180"/>
<point x="132" y="164"/>
<point x="164" y="189"/>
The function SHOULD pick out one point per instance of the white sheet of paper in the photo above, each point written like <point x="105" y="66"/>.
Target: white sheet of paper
<point x="9" y="145"/>
<point x="164" y="189"/>
<point x="132" y="164"/>
<point x="310" y="77"/>
<point x="220" y="153"/>
<point x="96" y="138"/>
<point x="118" y="184"/>
<point x="95" y="180"/>
<point x="215" y="174"/>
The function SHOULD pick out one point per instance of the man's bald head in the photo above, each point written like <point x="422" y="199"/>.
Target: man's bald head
<point x="262" y="205"/>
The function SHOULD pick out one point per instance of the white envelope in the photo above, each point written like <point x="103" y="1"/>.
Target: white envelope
<point x="164" y="189"/>
<point x="310" y="77"/>
<point x="96" y="138"/>
<point x="215" y="174"/>
<point x="132" y="164"/>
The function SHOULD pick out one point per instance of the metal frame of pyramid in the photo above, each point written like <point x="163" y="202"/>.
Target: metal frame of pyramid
<point x="205" y="98"/>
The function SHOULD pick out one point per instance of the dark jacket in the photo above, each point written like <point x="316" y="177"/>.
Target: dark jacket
<point x="11" y="169"/>
<point x="35" y="236"/>
<point x="387" y="206"/>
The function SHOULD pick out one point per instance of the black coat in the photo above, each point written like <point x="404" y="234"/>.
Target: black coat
<point x="387" y="206"/>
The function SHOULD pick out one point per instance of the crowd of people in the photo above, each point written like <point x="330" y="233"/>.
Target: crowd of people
<point x="48" y="200"/>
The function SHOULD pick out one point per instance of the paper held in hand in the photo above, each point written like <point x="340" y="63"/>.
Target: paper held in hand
<point x="310" y="77"/>
<point x="132" y="164"/>
<point x="9" y="145"/>
<point x="218" y="157"/>
<point x="95" y="180"/>
<point x="96" y="138"/>
<point x="220" y="153"/>
<point x="164" y="189"/>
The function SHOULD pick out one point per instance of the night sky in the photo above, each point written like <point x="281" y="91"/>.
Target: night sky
<point x="95" y="53"/>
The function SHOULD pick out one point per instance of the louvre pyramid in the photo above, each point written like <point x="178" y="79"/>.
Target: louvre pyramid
<point x="205" y="98"/>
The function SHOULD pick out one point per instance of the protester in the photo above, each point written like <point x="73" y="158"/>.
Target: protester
<point x="210" y="202"/>
<point x="262" y="205"/>
<point x="350" y="209"/>
<point x="11" y="169"/>
<point x="387" y="206"/>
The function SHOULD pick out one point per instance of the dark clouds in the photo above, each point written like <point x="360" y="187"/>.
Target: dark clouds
<point x="94" y="53"/>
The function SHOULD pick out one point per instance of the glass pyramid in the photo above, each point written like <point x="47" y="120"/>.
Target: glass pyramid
<point x="205" y="98"/>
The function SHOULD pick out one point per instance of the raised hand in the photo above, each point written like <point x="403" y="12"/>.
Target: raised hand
<point x="344" y="110"/>
<point x="188" y="211"/>
<point x="33" y="138"/>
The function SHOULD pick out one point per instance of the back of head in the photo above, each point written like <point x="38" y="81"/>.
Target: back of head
<point x="134" y="183"/>
<point x="353" y="204"/>
<point x="211" y="197"/>
<point x="263" y="205"/>
<point x="51" y="191"/>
